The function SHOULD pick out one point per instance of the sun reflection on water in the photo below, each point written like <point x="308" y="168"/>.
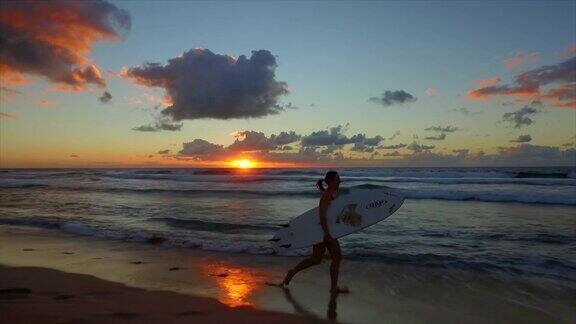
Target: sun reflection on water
<point x="237" y="284"/>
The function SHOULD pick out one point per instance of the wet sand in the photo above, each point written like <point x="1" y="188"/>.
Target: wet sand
<point x="225" y="286"/>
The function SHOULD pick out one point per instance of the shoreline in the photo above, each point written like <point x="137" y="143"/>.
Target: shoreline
<point x="379" y="291"/>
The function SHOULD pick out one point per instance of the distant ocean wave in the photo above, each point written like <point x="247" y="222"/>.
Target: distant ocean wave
<point x="566" y="197"/>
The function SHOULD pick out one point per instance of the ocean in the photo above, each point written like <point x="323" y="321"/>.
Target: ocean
<point x="518" y="222"/>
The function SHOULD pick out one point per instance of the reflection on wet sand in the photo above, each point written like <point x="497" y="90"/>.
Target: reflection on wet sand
<point x="237" y="284"/>
<point x="331" y="313"/>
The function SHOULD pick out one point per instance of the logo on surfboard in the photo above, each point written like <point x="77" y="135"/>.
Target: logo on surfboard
<point x="349" y="216"/>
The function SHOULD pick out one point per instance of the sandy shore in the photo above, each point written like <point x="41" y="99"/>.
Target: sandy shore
<point x="42" y="295"/>
<point x="155" y="283"/>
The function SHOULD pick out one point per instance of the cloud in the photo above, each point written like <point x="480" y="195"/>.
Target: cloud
<point x="390" y="98"/>
<point x="430" y="92"/>
<point x="392" y="147"/>
<point x="395" y="153"/>
<point x="520" y="59"/>
<point x="487" y="82"/>
<point x="522" y="139"/>
<point x="439" y="137"/>
<point x="447" y="129"/>
<point x="105" y="97"/>
<point x="200" y="148"/>
<point x="163" y="152"/>
<point x="416" y="147"/>
<point x="521" y="117"/>
<point x="74" y="156"/>
<point x="530" y="85"/>
<point x="161" y="123"/>
<point x="7" y="116"/>
<point x="335" y="137"/>
<point x="202" y="84"/>
<point x="52" y="38"/>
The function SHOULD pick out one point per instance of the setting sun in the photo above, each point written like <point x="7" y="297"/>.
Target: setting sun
<point x="243" y="164"/>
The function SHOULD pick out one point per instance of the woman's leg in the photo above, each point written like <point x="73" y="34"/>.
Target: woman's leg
<point x="336" y="255"/>
<point x="317" y="254"/>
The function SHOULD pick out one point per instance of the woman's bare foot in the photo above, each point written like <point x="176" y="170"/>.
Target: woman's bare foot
<point x="340" y="290"/>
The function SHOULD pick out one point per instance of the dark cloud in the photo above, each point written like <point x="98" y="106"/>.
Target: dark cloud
<point x="105" y="97"/>
<point x="447" y="129"/>
<point x="395" y="153"/>
<point x="202" y="84"/>
<point x="200" y="149"/>
<point x="362" y="147"/>
<point x="257" y="141"/>
<point x="530" y="85"/>
<point x="163" y="152"/>
<point x="161" y="123"/>
<point x="390" y="98"/>
<point x="6" y="116"/>
<point x="335" y="137"/>
<point x="416" y="147"/>
<point x="51" y="38"/>
<point x="439" y="137"/>
<point x="392" y="147"/>
<point x="285" y="138"/>
<point x="521" y="117"/>
<point x="522" y="139"/>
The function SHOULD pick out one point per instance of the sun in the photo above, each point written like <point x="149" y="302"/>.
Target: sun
<point x="243" y="164"/>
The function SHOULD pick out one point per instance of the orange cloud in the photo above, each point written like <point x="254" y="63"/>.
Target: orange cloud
<point x="554" y="85"/>
<point x="487" y="82"/>
<point x="520" y="59"/>
<point x="61" y="33"/>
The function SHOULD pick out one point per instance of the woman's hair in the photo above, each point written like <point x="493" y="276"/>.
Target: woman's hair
<point x="329" y="176"/>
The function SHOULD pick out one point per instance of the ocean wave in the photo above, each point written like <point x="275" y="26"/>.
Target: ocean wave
<point x="200" y="225"/>
<point x="540" y="266"/>
<point x="565" y="197"/>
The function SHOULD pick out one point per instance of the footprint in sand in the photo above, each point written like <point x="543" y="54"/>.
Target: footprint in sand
<point x="63" y="297"/>
<point x="174" y="269"/>
<point x="28" y="250"/>
<point x="137" y="262"/>
<point x="125" y="316"/>
<point x="68" y="253"/>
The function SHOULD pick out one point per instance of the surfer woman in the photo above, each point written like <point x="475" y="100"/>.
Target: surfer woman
<point x="332" y="179"/>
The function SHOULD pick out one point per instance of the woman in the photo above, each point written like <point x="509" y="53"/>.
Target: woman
<point x="332" y="179"/>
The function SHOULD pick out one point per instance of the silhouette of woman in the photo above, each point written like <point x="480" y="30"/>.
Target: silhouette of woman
<point x="332" y="179"/>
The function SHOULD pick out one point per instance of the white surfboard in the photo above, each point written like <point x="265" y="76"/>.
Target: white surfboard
<point x="346" y="214"/>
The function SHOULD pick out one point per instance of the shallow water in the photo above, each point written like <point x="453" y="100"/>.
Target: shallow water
<point x="501" y="221"/>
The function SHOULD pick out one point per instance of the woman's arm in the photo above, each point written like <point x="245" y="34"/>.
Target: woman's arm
<point x="322" y="209"/>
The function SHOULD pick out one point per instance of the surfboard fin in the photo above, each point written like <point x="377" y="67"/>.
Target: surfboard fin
<point x="284" y="225"/>
<point x="286" y="245"/>
<point x="274" y="240"/>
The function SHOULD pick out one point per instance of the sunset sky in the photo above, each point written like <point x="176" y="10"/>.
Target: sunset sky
<point x="175" y="84"/>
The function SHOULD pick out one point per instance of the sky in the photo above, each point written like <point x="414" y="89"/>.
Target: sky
<point x="287" y="83"/>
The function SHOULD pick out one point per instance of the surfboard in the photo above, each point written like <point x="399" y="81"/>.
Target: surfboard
<point x="346" y="214"/>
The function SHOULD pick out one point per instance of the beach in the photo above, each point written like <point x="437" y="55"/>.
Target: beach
<point x="85" y="273"/>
